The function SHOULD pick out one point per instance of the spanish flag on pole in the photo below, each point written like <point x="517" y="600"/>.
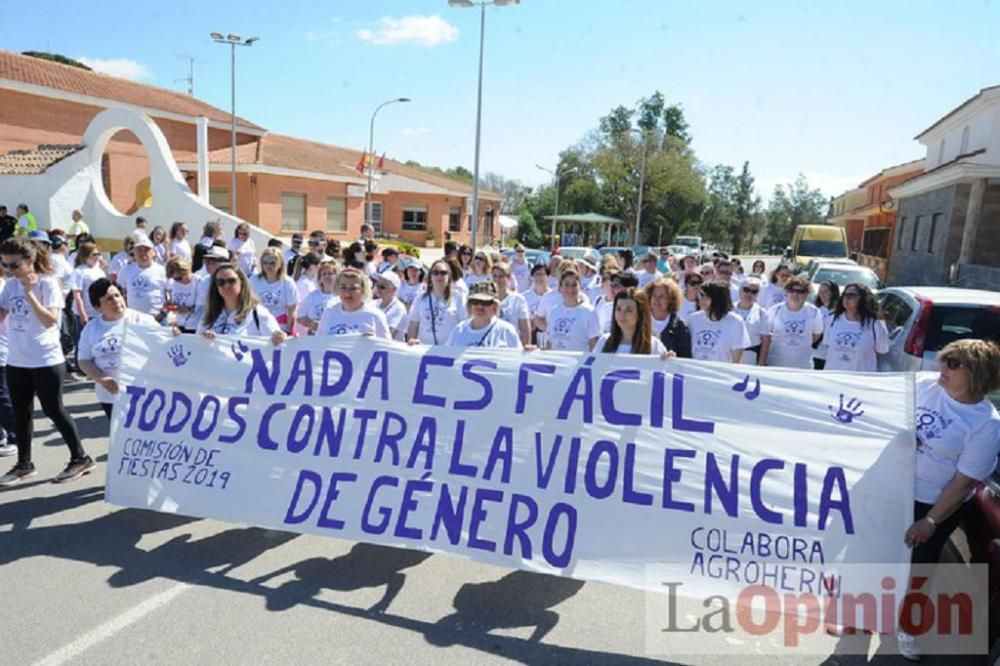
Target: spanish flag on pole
<point x="363" y="162"/>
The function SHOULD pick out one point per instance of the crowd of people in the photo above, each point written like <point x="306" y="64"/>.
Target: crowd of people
<point x="63" y="308"/>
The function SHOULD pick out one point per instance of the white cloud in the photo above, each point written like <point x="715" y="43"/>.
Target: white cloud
<point x="121" y="67"/>
<point x="420" y="30"/>
<point x="415" y="131"/>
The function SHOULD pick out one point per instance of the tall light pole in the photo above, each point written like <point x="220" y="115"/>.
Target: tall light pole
<point x="558" y="175"/>
<point x="642" y="182"/>
<point x="479" y="100"/>
<point x="371" y="157"/>
<point x="233" y="41"/>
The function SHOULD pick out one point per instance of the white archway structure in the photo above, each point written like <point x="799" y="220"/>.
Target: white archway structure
<point x="76" y="183"/>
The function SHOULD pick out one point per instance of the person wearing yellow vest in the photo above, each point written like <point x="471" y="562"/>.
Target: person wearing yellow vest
<point x="77" y="226"/>
<point x="26" y="222"/>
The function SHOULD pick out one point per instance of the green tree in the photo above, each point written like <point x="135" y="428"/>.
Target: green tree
<point x="512" y="192"/>
<point x="56" y="57"/>
<point x="746" y="208"/>
<point x="791" y="205"/>
<point x="528" y="232"/>
<point x="675" y="124"/>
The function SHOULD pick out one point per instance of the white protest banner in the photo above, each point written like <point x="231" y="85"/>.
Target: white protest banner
<point x="624" y="469"/>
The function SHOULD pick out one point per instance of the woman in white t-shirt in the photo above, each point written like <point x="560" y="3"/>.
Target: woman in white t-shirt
<point x="513" y="307"/>
<point x="161" y="249"/>
<point x="232" y="309"/>
<point x="958" y="440"/>
<point x="774" y="292"/>
<point x="242" y="248"/>
<point x="179" y="245"/>
<point x="308" y="268"/>
<point x="311" y="309"/>
<point x="534" y="295"/>
<point x="794" y="326"/>
<point x="182" y="293"/>
<point x="86" y="272"/>
<point x="31" y="303"/>
<point x="484" y="328"/>
<point x="691" y="286"/>
<point x="354" y="313"/>
<point x="855" y="334"/>
<point x="101" y="339"/>
<point x="631" y="329"/>
<point x="755" y="318"/>
<point x="571" y="324"/>
<point x="438" y="309"/>
<point x="412" y="283"/>
<point x="827" y="295"/>
<point x="665" y="300"/>
<point x="386" y="285"/>
<point x="275" y="290"/>
<point x="717" y="333"/>
<point x="480" y="269"/>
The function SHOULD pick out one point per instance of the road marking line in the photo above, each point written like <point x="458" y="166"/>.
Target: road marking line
<point x="111" y="627"/>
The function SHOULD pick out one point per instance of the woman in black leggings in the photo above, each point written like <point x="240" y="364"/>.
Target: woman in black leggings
<point x="32" y="303"/>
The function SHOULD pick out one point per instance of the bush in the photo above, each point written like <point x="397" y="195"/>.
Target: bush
<point x="402" y="246"/>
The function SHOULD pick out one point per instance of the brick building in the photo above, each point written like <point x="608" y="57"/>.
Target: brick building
<point x="284" y="184"/>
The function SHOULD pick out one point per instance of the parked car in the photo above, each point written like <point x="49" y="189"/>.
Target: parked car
<point x="982" y="532"/>
<point x="818" y="240"/>
<point x="615" y="250"/>
<point x="579" y="252"/>
<point x="531" y="255"/>
<point x="922" y="320"/>
<point x="814" y="264"/>
<point x="678" y="250"/>
<point x="843" y="274"/>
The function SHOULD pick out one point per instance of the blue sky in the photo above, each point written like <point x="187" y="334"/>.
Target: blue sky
<point x="835" y="90"/>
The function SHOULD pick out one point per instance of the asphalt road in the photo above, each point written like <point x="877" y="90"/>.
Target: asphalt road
<point x="85" y="582"/>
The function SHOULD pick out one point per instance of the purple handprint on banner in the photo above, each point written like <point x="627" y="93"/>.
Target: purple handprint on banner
<point x="846" y="412"/>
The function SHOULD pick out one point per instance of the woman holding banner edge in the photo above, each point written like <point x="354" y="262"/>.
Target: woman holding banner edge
<point x="232" y="309"/>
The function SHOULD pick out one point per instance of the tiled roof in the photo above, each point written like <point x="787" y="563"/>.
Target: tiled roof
<point x="34" y="161"/>
<point x="41" y="72"/>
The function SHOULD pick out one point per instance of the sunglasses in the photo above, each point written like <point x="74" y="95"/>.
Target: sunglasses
<point x="383" y="285"/>
<point x="694" y="283"/>
<point x="226" y="282"/>
<point x="797" y="290"/>
<point x="314" y="243"/>
<point x="748" y="290"/>
<point x="12" y="267"/>
<point x="851" y="294"/>
<point x="951" y="363"/>
<point x="440" y="273"/>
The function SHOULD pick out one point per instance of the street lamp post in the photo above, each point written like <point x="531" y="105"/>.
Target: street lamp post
<point x="642" y="182"/>
<point x="233" y="41"/>
<point x="371" y="158"/>
<point x="558" y="175"/>
<point x="479" y="100"/>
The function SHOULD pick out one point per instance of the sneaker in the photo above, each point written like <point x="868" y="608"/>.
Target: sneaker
<point x="7" y="449"/>
<point x="908" y="646"/>
<point x="17" y="474"/>
<point x="75" y="469"/>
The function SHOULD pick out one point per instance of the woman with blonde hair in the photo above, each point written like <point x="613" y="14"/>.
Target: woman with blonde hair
<point x="242" y="248"/>
<point x="324" y="296"/>
<point x="480" y="269"/>
<point x="665" y="302"/>
<point x="232" y="309"/>
<point x="86" y="272"/>
<point x="276" y="290"/>
<point x="161" y="249"/>
<point x="354" y="313"/>
<point x="182" y="292"/>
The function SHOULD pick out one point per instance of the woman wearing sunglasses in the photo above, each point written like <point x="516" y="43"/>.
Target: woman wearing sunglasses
<point x="354" y="313"/>
<point x="794" y="326"/>
<point x="325" y="296"/>
<point x="958" y="440"/>
<point x="31" y="303"/>
<point x="631" y="328"/>
<point x="854" y="335"/>
<point x="481" y="269"/>
<point x="276" y="290"/>
<point x="692" y="288"/>
<point x="717" y="333"/>
<point x="242" y="248"/>
<point x="755" y="318"/>
<point x="386" y="287"/>
<point x="513" y="307"/>
<point x="484" y="328"/>
<point x="438" y="310"/>
<point x="232" y="309"/>
<point x="465" y="259"/>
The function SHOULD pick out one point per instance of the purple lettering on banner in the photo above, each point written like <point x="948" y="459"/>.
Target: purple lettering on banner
<point x="327" y="389"/>
<point x="378" y="367"/>
<point x="177" y="399"/>
<point x="487" y="397"/>
<point x="332" y="493"/>
<point x="716" y="485"/>
<point x="330" y="434"/>
<point x="423" y="443"/>
<point x="145" y="422"/>
<point x="524" y="389"/>
<point x="800" y="496"/>
<point x="134" y="393"/>
<point x="834" y="480"/>
<point x="502" y="451"/>
<point x="366" y="525"/>
<point x="232" y="409"/>
<point x="302" y="369"/>
<point x="672" y="476"/>
<point x="629" y="493"/>
<point x="199" y="433"/>
<point x="572" y="464"/>
<point x="576" y="393"/>
<point x="478" y="515"/>
<point x="267" y="377"/>
<point x="562" y="559"/>
<point x="608" y="410"/>
<point x="420" y="397"/>
<point x="756" y="482"/>
<point x="316" y="481"/>
<point x="365" y="415"/>
<point x="264" y="440"/>
<point x="543" y="476"/>
<point x="595" y="490"/>
<point x="298" y="442"/>
<point x="656" y="400"/>
<point x="677" y="412"/>
<point x="409" y="505"/>
<point x="390" y="440"/>
<point x="456" y="466"/>
<point x="450" y="515"/>
<point x="518" y="528"/>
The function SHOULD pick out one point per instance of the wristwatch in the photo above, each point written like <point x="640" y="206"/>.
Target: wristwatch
<point x="930" y="520"/>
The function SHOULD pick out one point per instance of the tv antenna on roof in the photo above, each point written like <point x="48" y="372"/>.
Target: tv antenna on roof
<point x="190" y="77"/>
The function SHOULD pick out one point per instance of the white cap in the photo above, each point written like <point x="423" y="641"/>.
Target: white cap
<point x="391" y="278"/>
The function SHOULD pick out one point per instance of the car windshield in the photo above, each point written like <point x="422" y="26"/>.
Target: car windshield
<point x="957" y="322"/>
<point x="822" y="248"/>
<point x="844" y="277"/>
<point x="573" y="252"/>
<point x="686" y="241"/>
